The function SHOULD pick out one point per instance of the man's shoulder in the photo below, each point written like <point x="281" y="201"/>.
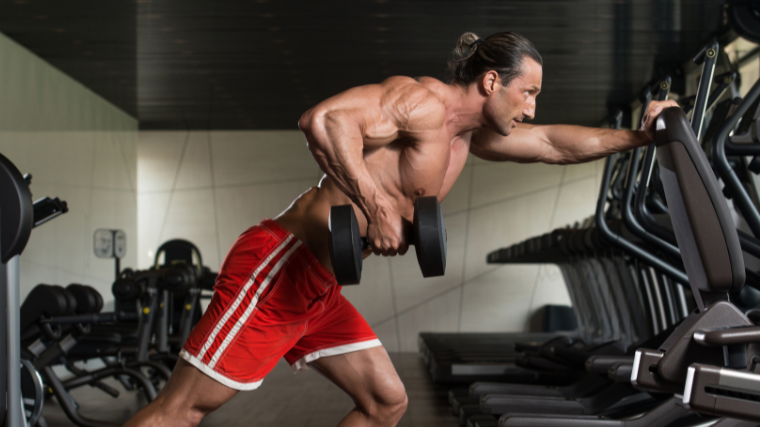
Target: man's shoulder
<point x="418" y="86"/>
<point x="418" y="97"/>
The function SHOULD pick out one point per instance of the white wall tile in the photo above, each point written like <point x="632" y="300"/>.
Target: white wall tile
<point x="191" y="217"/>
<point x="158" y="157"/>
<point x="62" y="242"/>
<point x="108" y="168"/>
<point x="409" y="285"/>
<point x="499" y="300"/>
<point x="127" y="221"/>
<point x="241" y="207"/>
<point x="260" y="156"/>
<point x="151" y="211"/>
<point x="53" y="158"/>
<point x="128" y="144"/>
<point x="373" y="297"/>
<point x="386" y="333"/>
<point x="502" y="224"/>
<point x="437" y="315"/>
<point x="195" y="170"/>
<point x="495" y="182"/>
<point x="580" y="171"/>
<point x="576" y="202"/>
<point x="32" y="274"/>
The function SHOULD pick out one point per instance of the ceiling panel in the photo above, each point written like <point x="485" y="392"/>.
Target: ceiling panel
<point x="243" y="64"/>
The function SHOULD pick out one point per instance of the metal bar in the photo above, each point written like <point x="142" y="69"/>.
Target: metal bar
<point x="622" y="243"/>
<point x="16" y="414"/>
<point x="741" y="199"/>
<point x="93" y="318"/>
<point x="728" y="336"/>
<point x="708" y="69"/>
<point x="628" y="217"/>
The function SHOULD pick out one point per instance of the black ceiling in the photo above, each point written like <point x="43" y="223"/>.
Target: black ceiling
<point x="259" y="64"/>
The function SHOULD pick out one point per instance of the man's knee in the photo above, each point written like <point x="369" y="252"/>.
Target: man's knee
<point x="400" y="402"/>
<point x="389" y="405"/>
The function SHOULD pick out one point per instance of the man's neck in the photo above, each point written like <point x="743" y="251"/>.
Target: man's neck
<point x="464" y="109"/>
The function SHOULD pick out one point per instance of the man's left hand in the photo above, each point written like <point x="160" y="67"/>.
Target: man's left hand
<point x="650" y="116"/>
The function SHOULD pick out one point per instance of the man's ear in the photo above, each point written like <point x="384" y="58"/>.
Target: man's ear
<point x="490" y="82"/>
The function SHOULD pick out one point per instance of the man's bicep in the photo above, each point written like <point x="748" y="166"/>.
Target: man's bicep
<point x="525" y="144"/>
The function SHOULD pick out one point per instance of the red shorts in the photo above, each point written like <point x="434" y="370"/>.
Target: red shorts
<point x="272" y="298"/>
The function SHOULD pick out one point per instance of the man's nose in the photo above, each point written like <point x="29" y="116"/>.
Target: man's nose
<point x="529" y="111"/>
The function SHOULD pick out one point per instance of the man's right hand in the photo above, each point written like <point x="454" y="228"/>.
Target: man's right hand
<point x="386" y="232"/>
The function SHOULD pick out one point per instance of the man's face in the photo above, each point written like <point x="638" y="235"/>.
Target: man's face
<point x="508" y="105"/>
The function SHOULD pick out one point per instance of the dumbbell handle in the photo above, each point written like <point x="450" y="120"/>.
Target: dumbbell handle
<point x="366" y="245"/>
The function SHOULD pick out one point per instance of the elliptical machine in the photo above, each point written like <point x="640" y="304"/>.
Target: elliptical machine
<point x="20" y="383"/>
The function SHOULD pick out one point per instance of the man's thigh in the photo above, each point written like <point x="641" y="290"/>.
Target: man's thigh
<point x="185" y="399"/>
<point x="367" y="375"/>
<point x="192" y="388"/>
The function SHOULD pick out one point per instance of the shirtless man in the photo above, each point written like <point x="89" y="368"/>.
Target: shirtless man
<point x="380" y="146"/>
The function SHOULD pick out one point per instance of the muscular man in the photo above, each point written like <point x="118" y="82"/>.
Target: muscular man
<point x="380" y="146"/>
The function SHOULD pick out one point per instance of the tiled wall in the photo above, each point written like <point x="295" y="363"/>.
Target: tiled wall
<point x="209" y="187"/>
<point x="77" y="147"/>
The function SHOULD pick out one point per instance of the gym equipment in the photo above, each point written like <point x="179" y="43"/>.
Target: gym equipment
<point x="18" y="216"/>
<point x="744" y="17"/>
<point x="660" y="370"/>
<point x="15" y="228"/>
<point x="55" y="322"/>
<point x="707" y="57"/>
<point x="184" y="284"/>
<point x="166" y="298"/>
<point x="664" y="314"/>
<point x="465" y="358"/>
<point x="45" y="209"/>
<point x="346" y="244"/>
<point x="728" y="385"/>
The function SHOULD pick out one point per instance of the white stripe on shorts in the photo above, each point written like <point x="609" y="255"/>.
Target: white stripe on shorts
<point x="241" y="295"/>
<point x="244" y="318"/>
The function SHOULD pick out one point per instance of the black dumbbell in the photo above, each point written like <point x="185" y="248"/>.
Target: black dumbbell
<point x="346" y="244"/>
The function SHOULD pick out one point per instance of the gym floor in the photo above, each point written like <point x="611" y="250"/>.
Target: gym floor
<point x="284" y="399"/>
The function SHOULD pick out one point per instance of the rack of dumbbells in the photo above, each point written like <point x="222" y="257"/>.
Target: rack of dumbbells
<point x="138" y="343"/>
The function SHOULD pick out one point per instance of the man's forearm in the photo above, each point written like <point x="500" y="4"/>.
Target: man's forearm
<point x="577" y="144"/>
<point x="338" y="149"/>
